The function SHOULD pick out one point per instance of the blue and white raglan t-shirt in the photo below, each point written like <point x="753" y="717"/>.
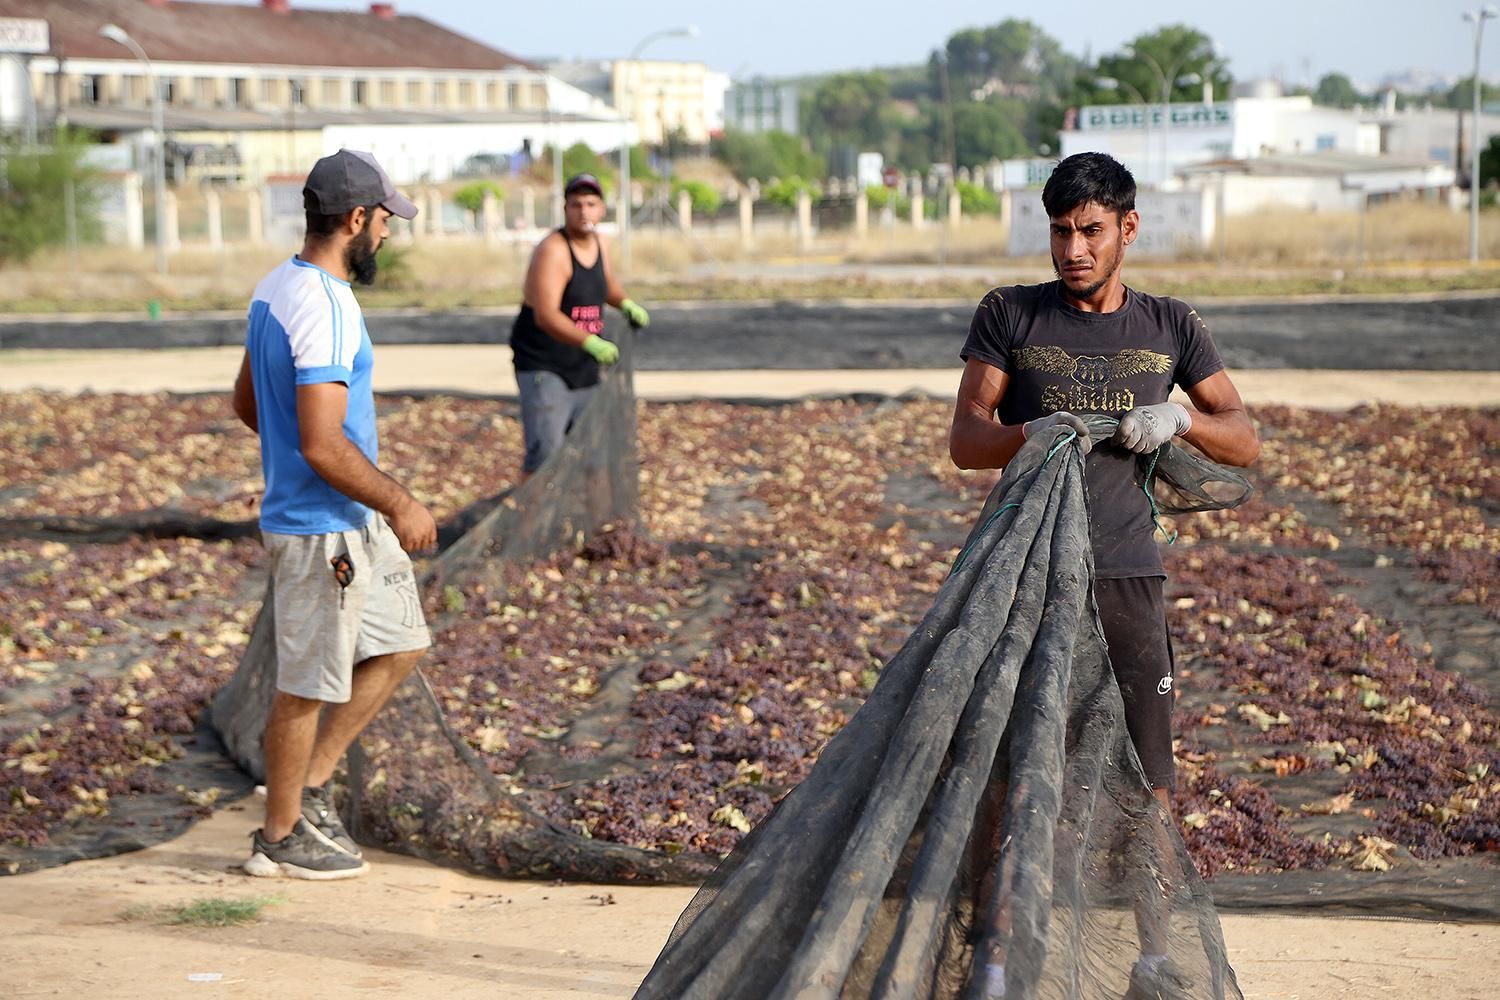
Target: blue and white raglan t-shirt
<point x="305" y="327"/>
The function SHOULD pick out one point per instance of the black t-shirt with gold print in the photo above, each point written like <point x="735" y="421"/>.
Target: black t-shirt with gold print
<point x="1060" y="357"/>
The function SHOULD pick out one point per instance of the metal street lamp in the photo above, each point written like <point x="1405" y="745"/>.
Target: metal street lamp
<point x="1476" y="18"/>
<point x="158" y="139"/>
<point x="1111" y="83"/>
<point x="623" y="212"/>
<point x="1168" y="81"/>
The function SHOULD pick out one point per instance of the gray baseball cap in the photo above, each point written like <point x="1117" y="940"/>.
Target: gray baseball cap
<point x="348" y="179"/>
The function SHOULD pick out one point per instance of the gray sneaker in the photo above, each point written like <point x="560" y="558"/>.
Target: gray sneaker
<point x="318" y="810"/>
<point x="303" y="853"/>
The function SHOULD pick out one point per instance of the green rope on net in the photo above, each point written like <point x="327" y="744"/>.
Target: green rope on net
<point x="964" y="553"/>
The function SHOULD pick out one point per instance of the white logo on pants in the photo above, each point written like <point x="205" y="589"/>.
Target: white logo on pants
<point x="1165" y="685"/>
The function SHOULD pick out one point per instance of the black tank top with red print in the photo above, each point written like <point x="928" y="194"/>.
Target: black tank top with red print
<point x="583" y="302"/>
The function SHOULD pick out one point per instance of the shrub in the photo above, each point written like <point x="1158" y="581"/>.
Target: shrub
<point x="977" y="200"/>
<point x="33" y="194"/>
<point x="785" y="191"/>
<point x="470" y="197"/>
<point x="705" y="196"/>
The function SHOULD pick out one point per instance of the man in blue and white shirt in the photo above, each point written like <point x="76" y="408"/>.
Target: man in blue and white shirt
<point x="349" y="623"/>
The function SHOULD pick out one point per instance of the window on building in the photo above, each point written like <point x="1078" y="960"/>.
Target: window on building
<point x="298" y="92"/>
<point x="237" y="93"/>
<point x="90" y="89"/>
<point x="388" y="93"/>
<point x="493" y="94"/>
<point x="512" y="95"/>
<point x="359" y="94"/>
<point x="466" y="93"/>
<point x="267" y="91"/>
<point x="203" y="91"/>
<point x="414" y="92"/>
<point x="331" y="93"/>
<point x="169" y="93"/>
<point x="439" y="93"/>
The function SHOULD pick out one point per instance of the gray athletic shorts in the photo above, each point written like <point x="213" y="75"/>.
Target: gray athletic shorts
<point x="322" y="629"/>
<point x="548" y="409"/>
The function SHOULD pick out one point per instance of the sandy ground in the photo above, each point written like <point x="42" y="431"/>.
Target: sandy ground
<point x="487" y="370"/>
<point x="415" y="930"/>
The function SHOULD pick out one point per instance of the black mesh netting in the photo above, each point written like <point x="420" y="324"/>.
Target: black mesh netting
<point x="413" y="785"/>
<point x="985" y="806"/>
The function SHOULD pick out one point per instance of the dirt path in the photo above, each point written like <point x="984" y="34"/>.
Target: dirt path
<point x="487" y="370"/>
<point x="413" y="930"/>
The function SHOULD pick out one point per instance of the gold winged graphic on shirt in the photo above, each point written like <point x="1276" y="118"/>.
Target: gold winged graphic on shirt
<point x="1090" y="375"/>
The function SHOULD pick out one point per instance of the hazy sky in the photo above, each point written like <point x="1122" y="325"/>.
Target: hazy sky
<point x="1296" y="40"/>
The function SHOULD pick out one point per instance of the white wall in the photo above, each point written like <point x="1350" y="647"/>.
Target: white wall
<point x="433" y="153"/>
<point x="1171" y="222"/>
<point x="1257" y="126"/>
<point x="14" y="93"/>
<point x="1246" y="195"/>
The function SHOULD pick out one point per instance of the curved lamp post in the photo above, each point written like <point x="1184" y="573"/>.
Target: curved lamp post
<point x="1113" y="83"/>
<point x="623" y="212"/>
<point x="115" y="33"/>
<point x="1168" y="81"/>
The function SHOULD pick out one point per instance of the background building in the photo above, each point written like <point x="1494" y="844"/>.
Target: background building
<point x="661" y="96"/>
<point x="761" y="105"/>
<point x="255" y="90"/>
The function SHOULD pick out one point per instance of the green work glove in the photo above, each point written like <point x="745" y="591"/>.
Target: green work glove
<point x="601" y="350"/>
<point x="638" y="317"/>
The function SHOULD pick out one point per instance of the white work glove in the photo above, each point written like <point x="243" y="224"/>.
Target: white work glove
<point x="1070" y="420"/>
<point x="1146" y="428"/>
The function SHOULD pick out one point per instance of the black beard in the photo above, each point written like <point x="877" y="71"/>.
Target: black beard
<point x="1087" y="293"/>
<point x="360" y="258"/>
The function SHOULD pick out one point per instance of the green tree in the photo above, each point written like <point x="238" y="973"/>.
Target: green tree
<point x="1489" y="163"/>
<point x="470" y="197"/>
<point x="1171" y="55"/>
<point x="705" y="196"/>
<point x="763" y="155"/>
<point x="1015" y="56"/>
<point x="846" y="108"/>
<point x="33" y="193"/>
<point x="1462" y="94"/>
<point x="974" y="199"/>
<point x="990" y="129"/>
<point x="1020" y="74"/>
<point x="1336" y="91"/>
<point x="785" y="191"/>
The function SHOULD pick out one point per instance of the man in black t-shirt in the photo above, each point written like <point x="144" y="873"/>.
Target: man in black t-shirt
<point x="557" y="341"/>
<point x="1040" y="355"/>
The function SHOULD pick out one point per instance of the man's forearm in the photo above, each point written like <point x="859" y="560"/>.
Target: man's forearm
<point x="559" y="326"/>
<point x="1228" y="436"/>
<point x="979" y="443"/>
<point x="346" y="469"/>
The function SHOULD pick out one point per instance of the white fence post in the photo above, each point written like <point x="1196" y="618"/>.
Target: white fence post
<point x="170" y="228"/>
<point x="215" y="209"/>
<point x="255" y="217"/>
<point x="747" y="218"/>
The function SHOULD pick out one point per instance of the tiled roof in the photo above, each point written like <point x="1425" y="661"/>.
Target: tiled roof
<point x="260" y="34"/>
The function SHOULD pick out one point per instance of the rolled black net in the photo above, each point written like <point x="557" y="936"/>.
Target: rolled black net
<point x="412" y="784"/>
<point x="984" y="810"/>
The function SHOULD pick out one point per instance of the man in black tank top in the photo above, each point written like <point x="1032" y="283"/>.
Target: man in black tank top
<point x="1039" y="355"/>
<point x="557" y="339"/>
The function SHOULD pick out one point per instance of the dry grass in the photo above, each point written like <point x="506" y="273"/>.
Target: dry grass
<point x="1406" y="232"/>
<point x="1406" y="247"/>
